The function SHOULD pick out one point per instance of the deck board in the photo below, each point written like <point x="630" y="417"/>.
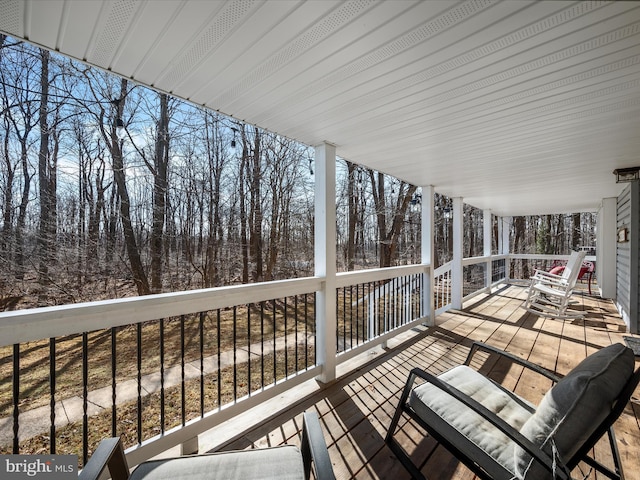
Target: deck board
<point x="357" y="409"/>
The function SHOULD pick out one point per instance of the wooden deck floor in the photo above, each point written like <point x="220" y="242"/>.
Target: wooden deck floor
<point x="356" y="410"/>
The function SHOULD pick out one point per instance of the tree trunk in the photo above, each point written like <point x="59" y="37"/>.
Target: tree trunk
<point x="255" y="233"/>
<point x="161" y="161"/>
<point x="244" y="244"/>
<point x="519" y="243"/>
<point x="7" y="205"/>
<point x="45" y="179"/>
<point x="135" y="262"/>
<point x="352" y="198"/>
<point x="22" y="210"/>
<point x="388" y="240"/>
<point x="576" y="237"/>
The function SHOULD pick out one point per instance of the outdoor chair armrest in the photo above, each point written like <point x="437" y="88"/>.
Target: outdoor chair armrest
<point x="543" y="273"/>
<point x="549" y="278"/>
<point x="519" y="439"/>
<point x="109" y="454"/>
<point x="480" y="346"/>
<point x="314" y="448"/>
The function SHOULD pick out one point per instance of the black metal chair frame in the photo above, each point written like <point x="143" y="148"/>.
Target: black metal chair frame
<point x="110" y="455"/>
<point x="476" y="459"/>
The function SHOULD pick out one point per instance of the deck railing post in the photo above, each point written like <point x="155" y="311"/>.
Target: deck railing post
<point x="428" y="253"/>
<point x="504" y="227"/>
<point x="456" y="264"/>
<point x="325" y="259"/>
<point x="606" y="247"/>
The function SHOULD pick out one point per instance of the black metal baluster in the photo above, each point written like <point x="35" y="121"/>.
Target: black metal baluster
<point x="275" y="370"/>
<point x="219" y="361"/>
<point x="394" y="296"/>
<point x="114" y="418"/>
<point x="417" y="294"/>
<point x="344" y="311"/>
<point x="306" y="331"/>
<point x="139" y="366"/>
<point x="374" y="308"/>
<point x="315" y="329"/>
<point x="365" y="292"/>
<point x="400" y="301"/>
<point x="358" y="306"/>
<point x="363" y="333"/>
<point x="235" y="355"/>
<point x="249" y="349"/>
<point x="162" y="392"/>
<point x="201" y="332"/>
<point x="262" y="344"/>
<point x="286" y="334"/>
<point x="374" y="324"/>
<point x="85" y="397"/>
<point x="16" y="397"/>
<point x="338" y="325"/>
<point x="412" y="288"/>
<point x="420" y="296"/>
<point x="295" y="319"/>
<point x="183" y="405"/>
<point x="52" y="390"/>
<point x="402" y="313"/>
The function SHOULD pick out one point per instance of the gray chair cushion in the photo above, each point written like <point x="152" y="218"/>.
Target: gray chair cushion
<point x="282" y="463"/>
<point x="570" y="412"/>
<point x="428" y="400"/>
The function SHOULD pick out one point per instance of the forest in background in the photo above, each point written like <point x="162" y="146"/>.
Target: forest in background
<point x="110" y="189"/>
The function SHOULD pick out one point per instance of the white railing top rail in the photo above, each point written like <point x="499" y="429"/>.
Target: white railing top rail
<point x="540" y="256"/>
<point x="345" y="279"/>
<point x="482" y="259"/>
<point x="35" y="324"/>
<point x="445" y="267"/>
<point x="468" y="261"/>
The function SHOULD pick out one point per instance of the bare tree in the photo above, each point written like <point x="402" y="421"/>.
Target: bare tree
<point x="115" y="145"/>
<point x="47" y="178"/>
<point x="21" y="113"/>
<point x="352" y="215"/>
<point x="390" y="219"/>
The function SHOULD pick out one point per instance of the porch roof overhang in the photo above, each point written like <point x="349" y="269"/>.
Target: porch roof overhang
<point x="519" y="107"/>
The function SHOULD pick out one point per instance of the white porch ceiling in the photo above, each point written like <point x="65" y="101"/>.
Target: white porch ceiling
<point x="520" y="107"/>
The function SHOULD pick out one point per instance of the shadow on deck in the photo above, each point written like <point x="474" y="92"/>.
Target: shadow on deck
<point x="356" y="410"/>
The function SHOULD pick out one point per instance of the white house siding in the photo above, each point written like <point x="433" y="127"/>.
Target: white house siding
<point x="628" y="274"/>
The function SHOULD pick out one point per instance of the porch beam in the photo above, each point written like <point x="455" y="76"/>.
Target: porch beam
<point x="325" y="259"/>
<point x="456" y="264"/>
<point x="428" y="252"/>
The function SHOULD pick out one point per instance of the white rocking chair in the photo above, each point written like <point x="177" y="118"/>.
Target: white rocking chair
<point x="550" y="295"/>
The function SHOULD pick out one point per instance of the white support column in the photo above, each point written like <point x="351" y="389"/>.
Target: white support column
<point x="504" y="227"/>
<point x="428" y="252"/>
<point x="325" y="259"/>
<point x="606" y="247"/>
<point x="486" y="251"/>
<point x="456" y="264"/>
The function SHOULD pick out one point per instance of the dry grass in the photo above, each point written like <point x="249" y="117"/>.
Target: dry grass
<point x="218" y="390"/>
<point x="222" y="331"/>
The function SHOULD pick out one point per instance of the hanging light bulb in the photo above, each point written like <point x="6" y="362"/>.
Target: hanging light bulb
<point x="120" y="130"/>
<point x="233" y="141"/>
